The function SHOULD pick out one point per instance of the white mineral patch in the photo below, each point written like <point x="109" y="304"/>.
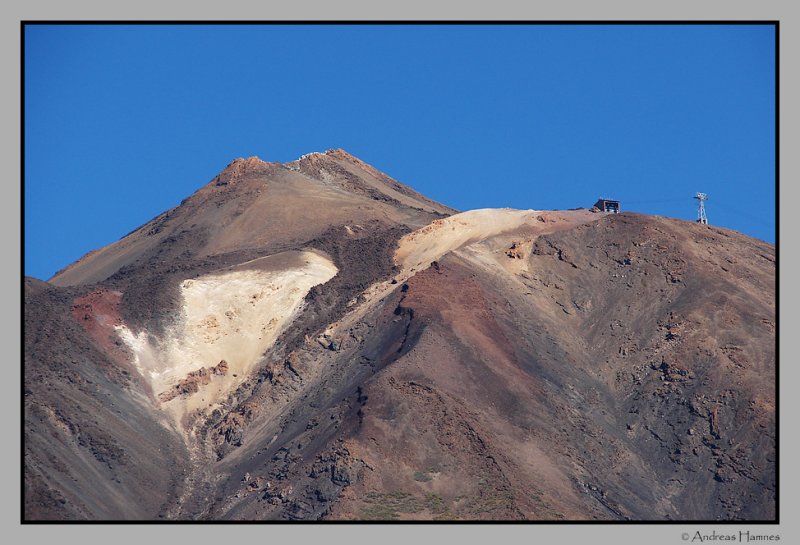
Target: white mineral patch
<point x="233" y="316"/>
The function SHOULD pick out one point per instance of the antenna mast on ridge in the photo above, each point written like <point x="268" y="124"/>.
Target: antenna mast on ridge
<point x="701" y="208"/>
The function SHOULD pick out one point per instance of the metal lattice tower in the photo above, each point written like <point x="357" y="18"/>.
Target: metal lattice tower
<point x="701" y="208"/>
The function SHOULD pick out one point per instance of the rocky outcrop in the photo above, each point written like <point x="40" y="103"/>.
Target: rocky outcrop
<point x="239" y="168"/>
<point x="194" y="381"/>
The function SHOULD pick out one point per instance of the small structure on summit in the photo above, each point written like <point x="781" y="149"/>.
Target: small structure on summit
<point x="607" y="205"/>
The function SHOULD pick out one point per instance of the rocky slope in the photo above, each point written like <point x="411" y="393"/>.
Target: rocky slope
<point x="314" y="340"/>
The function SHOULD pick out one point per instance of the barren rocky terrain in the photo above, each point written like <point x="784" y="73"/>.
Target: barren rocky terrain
<point x="315" y="341"/>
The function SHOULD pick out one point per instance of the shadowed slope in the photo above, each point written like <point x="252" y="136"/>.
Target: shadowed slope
<point x="95" y="446"/>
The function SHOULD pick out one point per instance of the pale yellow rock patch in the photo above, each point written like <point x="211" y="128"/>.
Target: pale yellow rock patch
<point x="231" y="315"/>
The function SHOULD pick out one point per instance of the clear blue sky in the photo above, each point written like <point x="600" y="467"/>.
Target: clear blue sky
<point x="123" y="122"/>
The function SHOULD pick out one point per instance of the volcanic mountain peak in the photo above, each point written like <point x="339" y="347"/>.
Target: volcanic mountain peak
<point x="337" y="153"/>
<point x="240" y="167"/>
<point x="316" y="340"/>
<point x="254" y="204"/>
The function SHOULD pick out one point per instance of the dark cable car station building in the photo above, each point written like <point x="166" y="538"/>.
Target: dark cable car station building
<point x="607" y="205"/>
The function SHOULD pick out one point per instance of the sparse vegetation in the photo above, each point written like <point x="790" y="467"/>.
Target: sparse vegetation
<point x="389" y="506"/>
<point x="488" y="500"/>
<point x="435" y="504"/>
<point x="422" y="476"/>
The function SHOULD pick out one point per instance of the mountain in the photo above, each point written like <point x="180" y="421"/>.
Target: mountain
<point x="314" y="340"/>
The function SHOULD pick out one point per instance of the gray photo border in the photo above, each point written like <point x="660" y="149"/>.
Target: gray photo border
<point x="567" y="10"/>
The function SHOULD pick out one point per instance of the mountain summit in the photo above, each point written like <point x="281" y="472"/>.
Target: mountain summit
<point x="315" y="340"/>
